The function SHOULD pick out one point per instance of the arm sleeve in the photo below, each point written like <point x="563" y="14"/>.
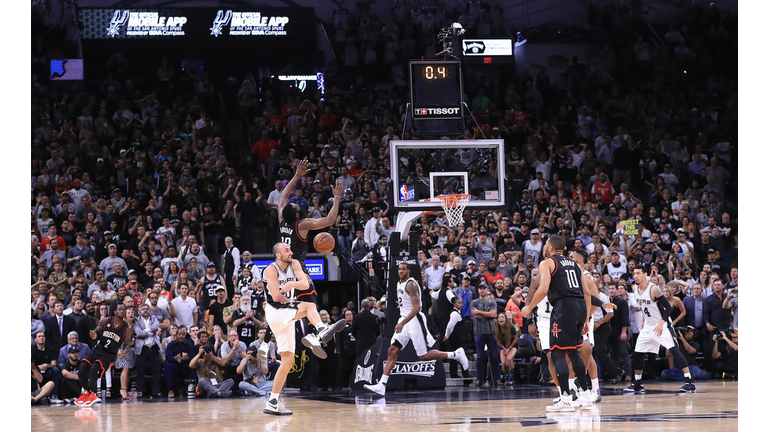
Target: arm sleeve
<point x="597" y="302"/>
<point x="664" y="307"/>
<point x="455" y="318"/>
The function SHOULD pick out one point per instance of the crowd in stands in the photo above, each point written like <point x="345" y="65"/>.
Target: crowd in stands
<point x="138" y="196"/>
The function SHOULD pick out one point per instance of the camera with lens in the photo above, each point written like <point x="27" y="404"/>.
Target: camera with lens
<point x="208" y="348"/>
<point x="719" y="333"/>
<point x="683" y="330"/>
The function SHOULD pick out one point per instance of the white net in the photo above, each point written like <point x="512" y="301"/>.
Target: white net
<point x="453" y="205"/>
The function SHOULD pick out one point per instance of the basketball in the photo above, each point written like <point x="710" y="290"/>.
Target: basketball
<point x="324" y="243"/>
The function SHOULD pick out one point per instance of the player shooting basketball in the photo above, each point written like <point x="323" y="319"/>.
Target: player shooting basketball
<point x="295" y="227"/>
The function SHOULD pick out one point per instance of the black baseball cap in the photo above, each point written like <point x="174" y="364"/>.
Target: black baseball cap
<point x="211" y="264"/>
<point x="74" y="349"/>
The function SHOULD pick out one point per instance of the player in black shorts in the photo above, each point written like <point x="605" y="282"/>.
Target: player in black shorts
<point x="295" y="227"/>
<point x="562" y="281"/>
<point x="111" y="333"/>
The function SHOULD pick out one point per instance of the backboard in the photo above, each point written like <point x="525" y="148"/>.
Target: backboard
<point x="422" y="170"/>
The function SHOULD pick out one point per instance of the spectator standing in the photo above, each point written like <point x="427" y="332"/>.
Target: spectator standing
<point x="58" y="326"/>
<point x="716" y="318"/>
<point x="216" y="311"/>
<point x="184" y="308"/>
<point x="365" y="328"/>
<point x="231" y="264"/>
<point x="484" y="313"/>
<point x="346" y="348"/>
<point x="147" y="350"/>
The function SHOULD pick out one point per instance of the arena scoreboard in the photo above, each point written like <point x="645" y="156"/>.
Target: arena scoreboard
<point x="437" y="89"/>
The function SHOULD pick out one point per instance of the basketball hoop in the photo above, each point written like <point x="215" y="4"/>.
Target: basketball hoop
<point x="453" y="205"/>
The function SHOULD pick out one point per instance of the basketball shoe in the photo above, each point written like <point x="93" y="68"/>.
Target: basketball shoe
<point x="378" y="388"/>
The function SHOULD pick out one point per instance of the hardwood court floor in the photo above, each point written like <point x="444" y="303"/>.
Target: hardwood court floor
<point x="713" y="408"/>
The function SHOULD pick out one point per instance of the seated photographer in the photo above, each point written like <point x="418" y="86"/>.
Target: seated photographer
<point x="211" y="382"/>
<point x="689" y="347"/>
<point x="254" y="371"/>
<point x="725" y="352"/>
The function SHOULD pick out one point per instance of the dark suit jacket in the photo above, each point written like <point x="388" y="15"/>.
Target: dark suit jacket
<point x="365" y="329"/>
<point x="52" y="335"/>
<point x="714" y="312"/>
<point x="689" y="303"/>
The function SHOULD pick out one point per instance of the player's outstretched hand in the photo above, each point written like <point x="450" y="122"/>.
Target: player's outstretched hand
<point x="302" y="168"/>
<point x="609" y="306"/>
<point x="338" y="188"/>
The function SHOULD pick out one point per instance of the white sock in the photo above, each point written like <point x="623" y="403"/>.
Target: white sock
<point x="638" y="377"/>
<point x="687" y="375"/>
<point x="451" y="355"/>
<point x="572" y="383"/>
<point x="559" y="390"/>
<point x="274" y="397"/>
<point x="320" y="327"/>
<point x="595" y="384"/>
<point x="384" y="379"/>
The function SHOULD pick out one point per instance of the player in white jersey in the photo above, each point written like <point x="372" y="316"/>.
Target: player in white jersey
<point x="284" y="277"/>
<point x="412" y="327"/>
<point x="657" y="330"/>
<point x="581" y="256"/>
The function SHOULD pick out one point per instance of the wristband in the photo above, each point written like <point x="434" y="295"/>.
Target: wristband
<point x="337" y="196"/>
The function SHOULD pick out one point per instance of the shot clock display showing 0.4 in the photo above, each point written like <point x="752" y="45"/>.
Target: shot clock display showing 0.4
<point x="435" y="72"/>
<point x="436" y="84"/>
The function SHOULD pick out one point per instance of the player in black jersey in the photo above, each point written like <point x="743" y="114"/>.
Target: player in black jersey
<point x="564" y="284"/>
<point x="295" y="227"/>
<point x="111" y="332"/>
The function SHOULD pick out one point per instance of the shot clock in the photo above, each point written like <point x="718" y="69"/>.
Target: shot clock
<point x="436" y="89"/>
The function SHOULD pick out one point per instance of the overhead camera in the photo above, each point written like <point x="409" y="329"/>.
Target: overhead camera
<point x="446" y="36"/>
<point x="457" y="29"/>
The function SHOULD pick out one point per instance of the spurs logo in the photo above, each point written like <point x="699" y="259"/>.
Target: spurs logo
<point x="119" y="18"/>
<point x="221" y="20"/>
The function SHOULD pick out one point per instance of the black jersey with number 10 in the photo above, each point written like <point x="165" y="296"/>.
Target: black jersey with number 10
<point x="289" y="234"/>
<point x="566" y="279"/>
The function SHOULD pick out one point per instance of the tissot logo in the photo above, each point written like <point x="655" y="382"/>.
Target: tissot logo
<point x="420" y="368"/>
<point x="436" y="111"/>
